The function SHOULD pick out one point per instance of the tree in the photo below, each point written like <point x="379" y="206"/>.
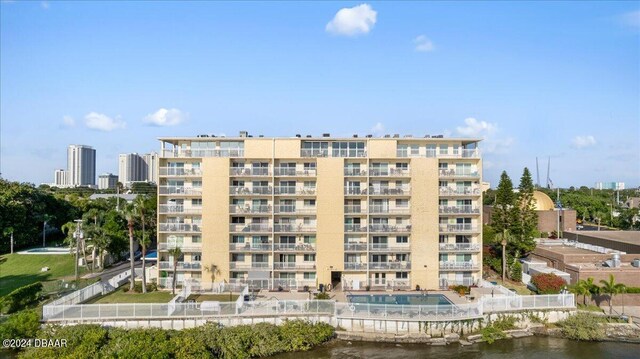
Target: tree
<point x="144" y="241"/>
<point x="101" y="241"/>
<point x="582" y="288"/>
<point x="175" y="253"/>
<point x="503" y="210"/>
<point x="503" y="239"/>
<point x="526" y="219"/>
<point x="611" y="288"/>
<point x="213" y="270"/>
<point x="130" y="215"/>
<point x="548" y="283"/>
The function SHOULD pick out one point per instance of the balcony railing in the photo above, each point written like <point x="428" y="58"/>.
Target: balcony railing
<point x="385" y="247"/>
<point x="355" y="191"/>
<point x="314" y="153"/>
<point x="459" y="247"/>
<point x="236" y="209"/>
<point x="170" y="209"/>
<point x="466" y="209"/>
<point x="249" y="171"/>
<point x="390" y="172"/>
<point x="389" y="228"/>
<point x="459" y="266"/>
<point x="180" y="190"/>
<point x="390" y="265"/>
<point x="355" y="266"/>
<point x="256" y="247"/>
<point x="377" y="209"/>
<point x="458" y="173"/>
<point x="355" y="228"/>
<point x="355" y="209"/>
<point x="178" y="153"/>
<point x="250" y="227"/>
<point x="355" y="247"/>
<point x="180" y="266"/>
<point x="179" y="171"/>
<point x="461" y="191"/>
<point x="185" y="247"/>
<point x="294" y="265"/>
<point x="390" y="284"/>
<point x="395" y="191"/>
<point x="256" y="190"/>
<point x="283" y="190"/>
<point x="292" y="209"/>
<point x="458" y="227"/>
<point x="460" y="153"/>
<point x="287" y="171"/>
<point x="284" y="228"/>
<point x="248" y="265"/>
<point x="179" y="227"/>
<point x="292" y="247"/>
<point x="355" y="172"/>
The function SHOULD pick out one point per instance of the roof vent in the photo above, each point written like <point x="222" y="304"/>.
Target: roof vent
<point x="298" y="135"/>
<point x="369" y="136"/>
<point x="308" y="136"/>
<point x="326" y="135"/>
<point x="408" y="136"/>
<point x="244" y="133"/>
<point x="261" y="136"/>
<point x="396" y="135"/>
<point x="355" y="135"/>
<point x="387" y="136"/>
<point x="427" y="136"/>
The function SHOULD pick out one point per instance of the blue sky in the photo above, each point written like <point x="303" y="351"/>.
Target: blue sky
<point x="535" y="79"/>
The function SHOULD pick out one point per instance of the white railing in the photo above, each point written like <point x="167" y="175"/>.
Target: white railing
<point x="281" y="228"/>
<point x="390" y="265"/>
<point x="361" y="172"/>
<point x="436" y="153"/>
<point x="80" y="295"/>
<point x="355" y="228"/>
<point x="179" y="227"/>
<point x="185" y="247"/>
<point x="348" y="153"/>
<point x="452" y="172"/>
<point x="376" y="209"/>
<point x="458" y="227"/>
<point x="195" y="191"/>
<point x="359" y="247"/>
<point x="248" y="171"/>
<point x="248" y="265"/>
<point x="389" y="248"/>
<point x="291" y="247"/>
<point x="286" y="208"/>
<point x="524" y="302"/>
<point x="408" y="312"/>
<point x="389" y="228"/>
<point x="163" y="209"/>
<point x="355" y="266"/>
<point x="460" y="247"/>
<point x="355" y="209"/>
<point x="391" y="172"/>
<point x="250" y="227"/>
<point x="294" y="265"/>
<point x="250" y="209"/>
<point x="179" y="171"/>
<point x="284" y="190"/>
<point x="255" y="190"/>
<point x="459" y="265"/>
<point x="287" y="171"/>
<point x="468" y="209"/>
<point x="180" y="265"/>
<point x="497" y="289"/>
<point x="175" y="153"/>
<point x="250" y="246"/>
<point x="391" y="191"/>
<point x="461" y="191"/>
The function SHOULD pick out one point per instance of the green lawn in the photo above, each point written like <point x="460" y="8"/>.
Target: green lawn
<point x="120" y="296"/>
<point x="213" y="297"/>
<point x="17" y="270"/>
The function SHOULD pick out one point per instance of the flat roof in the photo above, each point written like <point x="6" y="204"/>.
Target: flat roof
<point x="562" y="249"/>
<point x="303" y="138"/>
<point x="629" y="237"/>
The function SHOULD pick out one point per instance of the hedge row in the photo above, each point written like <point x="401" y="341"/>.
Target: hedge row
<point x="20" y="298"/>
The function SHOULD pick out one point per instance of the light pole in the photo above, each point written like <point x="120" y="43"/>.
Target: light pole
<point x="77" y="235"/>
<point x="44" y="233"/>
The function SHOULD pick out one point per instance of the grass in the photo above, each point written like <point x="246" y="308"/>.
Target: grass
<point x="520" y="288"/>
<point x="590" y="308"/>
<point x="213" y="297"/>
<point x="18" y="270"/>
<point x="120" y="296"/>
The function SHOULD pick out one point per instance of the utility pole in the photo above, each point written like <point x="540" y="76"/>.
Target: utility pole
<point x="11" y="241"/>
<point x="44" y="233"/>
<point x="78" y="236"/>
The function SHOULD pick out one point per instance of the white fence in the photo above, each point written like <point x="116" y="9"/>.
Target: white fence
<point x="498" y="289"/>
<point x="239" y="308"/>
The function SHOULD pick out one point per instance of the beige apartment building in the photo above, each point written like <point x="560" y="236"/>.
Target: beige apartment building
<point x="385" y="213"/>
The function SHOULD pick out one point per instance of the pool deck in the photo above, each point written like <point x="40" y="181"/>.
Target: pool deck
<point x="47" y="250"/>
<point x="341" y="296"/>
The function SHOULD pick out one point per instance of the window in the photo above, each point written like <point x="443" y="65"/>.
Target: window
<point x="309" y="257"/>
<point x="444" y="149"/>
<point x="309" y="202"/>
<point x="348" y="149"/>
<point x="402" y="239"/>
<point x="309" y="166"/>
<point x="402" y="166"/>
<point x="196" y="184"/>
<point x="415" y="150"/>
<point x="196" y="257"/>
<point x="196" y="239"/>
<point x="309" y="275"/>
<point x="237" y="239"/>
<point x="196" y="202"/>
<point x="431" y="150"/>
<point x="443" y="238"/>
<point x="402" y="275"/>
<point x="237" y="257"/>
<point x="309" y="239"/>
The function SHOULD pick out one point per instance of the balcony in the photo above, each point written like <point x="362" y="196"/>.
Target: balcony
<point x="390" y="172"/>
<point x="180" y="153"/>
<point x="459" y="247"/>
<point x="251" y="247"/>
<point x="236" y="209"/>
<point x="390" y="265"/>
<point x="458" y="227"/>
<point x="294" y="265"/>
<point x="292" y="172"/>
<point x="458" y="173"/>
<point x="348" y="153"/>
<point x="185" y="247"/>
<point x="377" y="209"/>
<point x="389" y="228"/>
<point x="174" y="209"/>
<point x="250" y="227"/>
<point x="467" y="209"/>
<point x="180" y="171"/>
<point x="348" y="209"/>
<point x="355" y="172"/>
<point x="459" y="266"/>
<point x="383" y="284"/>
<point x="355" y="247"/>
<point x="292" y="209"/>
<point x="460" y="191"/>
<point x="249" y="171"/>
<point x="290" y="190"/>
<point x="247" y="265"/>
<point x="314" y="152"/>
<point x="180" y="190"/>
<point x="196" y="266"/>
<point x="287" y="228"/>
<point x="292" y="247"/>
<point x="355" y="266"/>
<point x="387" y="191"/>
<point x="179" y="227"/>
<point x="464" y="153"/>
<point x="250" y="191"/>
<point x="355" y="228"/>
<point x="385" y="247"/>
<point x="355" y="191"/>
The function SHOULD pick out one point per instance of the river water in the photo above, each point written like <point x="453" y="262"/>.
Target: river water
<point x="524" y="348"/>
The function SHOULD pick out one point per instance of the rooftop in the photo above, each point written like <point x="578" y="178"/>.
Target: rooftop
<point x="629" y="237"/>
<point x="326" y="137"/>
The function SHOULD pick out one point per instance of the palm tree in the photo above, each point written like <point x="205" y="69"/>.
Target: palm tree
<point x="139" y="204"/>
<point x="130" y="215"/>
<point x="100" y="242"/>
<point x="581" y="288"/>
<point x="45" y="219"/>
<point x="504" y="238"/>
<point x="611" y="288"/>
<point x="176" y="253"/>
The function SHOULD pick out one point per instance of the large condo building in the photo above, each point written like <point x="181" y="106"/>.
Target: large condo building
<point x="81" y="165"/>
<point x="131" y="168"/>
<point x="388" y="213"/>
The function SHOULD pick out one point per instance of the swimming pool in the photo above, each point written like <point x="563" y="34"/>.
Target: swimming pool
<point x="412" y="299"/>
<point x="46" y="250"/>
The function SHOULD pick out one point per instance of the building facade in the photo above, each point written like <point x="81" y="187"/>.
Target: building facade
<point x="610" y="185"/>
<point x="107" y="181"/>
<point x="61" y="178"/>
<point x="391" y="212"/>
<point x="81" y="165"/>
<point x="131" y="168"/>
<point x="151" y="161"/>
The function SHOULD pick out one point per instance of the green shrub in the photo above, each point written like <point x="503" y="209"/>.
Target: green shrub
<point x="516" y="271"/>
<point x="21" y="325"/>
<point x="299" y="335"/>
<point x="322" y="296"/>
<point x="504" y="322"/>
<point x="582" y="326"/>
<point x="490" y="334"/>
<point x="190" y="343"/>
<point x="20" y="298"/>
<point x="460" y="289"/>
<point x="138" y="343"/>
<point x="83" y="341"/>
<point x="548" y="283"/>
<point x="632" y="290"/>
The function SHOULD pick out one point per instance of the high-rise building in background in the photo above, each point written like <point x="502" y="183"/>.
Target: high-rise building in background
<point x="151" y="160"/>
<point x="61" y="178"/>
<point x="107" y="181"/>
<point x="610" y="185"/>
<point x="131" y="168"/>
<point x="384" y="213"/>
<point x="81" y="165"/>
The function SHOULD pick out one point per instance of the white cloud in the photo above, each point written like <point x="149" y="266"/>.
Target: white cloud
<point x="353" y="21"/>
<point x="631" y="18"/>
<point x="164" y="117"/>
<point x="583" y="141"/>
<point x="102" y="122"/>
<point x="423" y="44"/>
<point x="492" y="142"/>
<point x="68" y="121"/>
<point x="378" y="129"/>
